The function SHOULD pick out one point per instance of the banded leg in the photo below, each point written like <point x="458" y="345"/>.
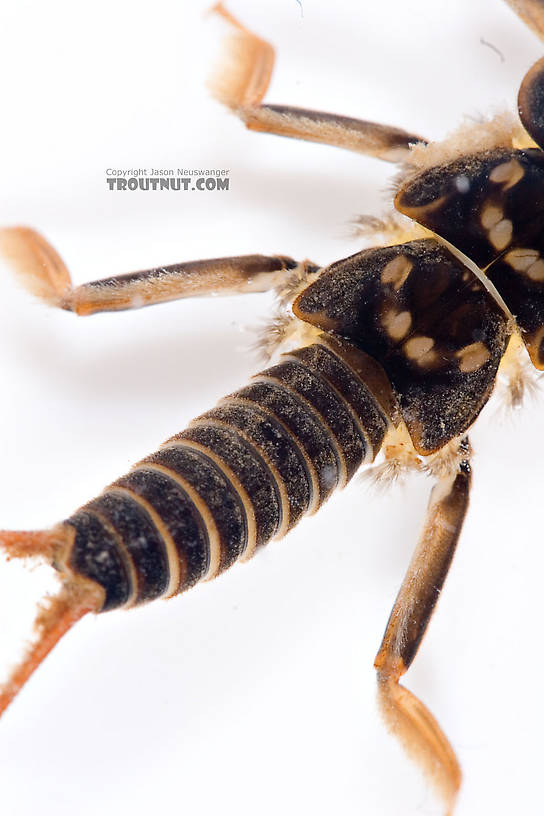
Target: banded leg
<point x="243" y="81"/>
<point x="532" y="14"/>
<point x="43" y="272"/>
<point x="405" y="715"/>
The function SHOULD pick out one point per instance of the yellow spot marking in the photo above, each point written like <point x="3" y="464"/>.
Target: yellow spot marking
<point x="528" y="261"/>
<point x="397" y="271"/>
<point x="491" y="215"/>
<point x="536" y="271"/>
<point x="472" y="357"/>
<point x="507" y="174"/>
<point x="420" y="350"/>
<point x="521" y="259"/>
<point x="501" y="234"/>
<point x="397" y="324"/>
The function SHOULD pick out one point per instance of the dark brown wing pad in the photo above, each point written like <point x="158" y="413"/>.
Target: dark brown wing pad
<point x="491" y="206"/>
<point x="483" y="204"/>
<point x="427" y="320"/>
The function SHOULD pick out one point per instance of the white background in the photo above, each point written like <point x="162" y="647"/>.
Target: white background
<point x="255" y="693"/>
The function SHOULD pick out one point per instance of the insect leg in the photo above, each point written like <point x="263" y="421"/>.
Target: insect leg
<point x="57" y="614"/>
<point x="405" y="715"/>
<point x="243" y="81"/>
<point x="44" y="273"/>
<point x="532" y="14"/>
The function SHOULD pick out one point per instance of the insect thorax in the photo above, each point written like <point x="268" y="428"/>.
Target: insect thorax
<point x="424" y="317"/>
<point x="491" y="207"/>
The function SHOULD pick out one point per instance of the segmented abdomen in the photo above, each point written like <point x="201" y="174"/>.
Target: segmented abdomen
<point x="241" y="474"/>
